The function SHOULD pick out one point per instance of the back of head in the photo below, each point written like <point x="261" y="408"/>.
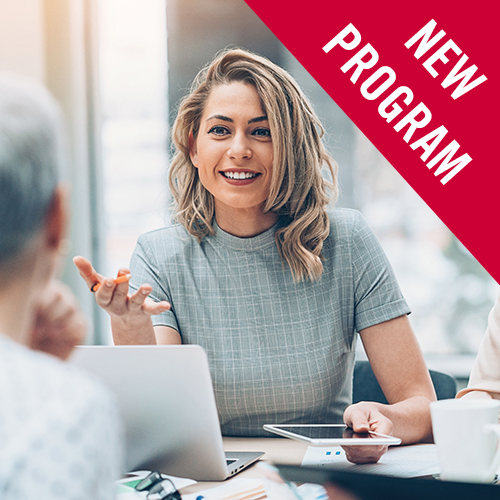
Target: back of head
<point x="30" y="159"/>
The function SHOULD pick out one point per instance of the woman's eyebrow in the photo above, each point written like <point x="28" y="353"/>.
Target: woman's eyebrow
<point x="227" y="119"/>
<point x="219" y="117"/>
<point x="258" y="119"/>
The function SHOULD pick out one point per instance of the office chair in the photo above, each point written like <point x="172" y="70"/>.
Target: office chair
<point x="365" y="386"/>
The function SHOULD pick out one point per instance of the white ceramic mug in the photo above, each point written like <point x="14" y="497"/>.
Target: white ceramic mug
<point x="467" y="436"/>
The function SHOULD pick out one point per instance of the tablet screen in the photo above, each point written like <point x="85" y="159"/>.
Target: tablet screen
<point x="330" y="434"/>
<point x="327" y="432"/>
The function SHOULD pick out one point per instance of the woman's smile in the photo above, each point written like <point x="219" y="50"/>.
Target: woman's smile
<point x="240" y="177"/>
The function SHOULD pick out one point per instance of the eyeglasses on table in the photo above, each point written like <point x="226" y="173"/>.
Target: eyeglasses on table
<point x="158" y="487"/>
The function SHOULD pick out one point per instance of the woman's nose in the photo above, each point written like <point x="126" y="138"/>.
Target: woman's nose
<point x="239" y="147"/>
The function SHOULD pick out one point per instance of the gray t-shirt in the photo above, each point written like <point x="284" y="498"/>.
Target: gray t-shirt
<point x="278" y="351"/>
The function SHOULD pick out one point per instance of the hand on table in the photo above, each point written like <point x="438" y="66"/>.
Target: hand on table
<point x="364" y="417"/>
<point x="59" y="324"/>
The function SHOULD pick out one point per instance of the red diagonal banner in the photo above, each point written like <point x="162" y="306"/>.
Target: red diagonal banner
<point x="421" y="81"/>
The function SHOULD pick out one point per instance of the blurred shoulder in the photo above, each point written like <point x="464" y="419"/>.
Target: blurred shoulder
<point x="53" y="415"/>
<point x="43" y="382"/>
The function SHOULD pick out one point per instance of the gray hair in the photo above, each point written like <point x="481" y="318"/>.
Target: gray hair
<point x="31" y="157"/>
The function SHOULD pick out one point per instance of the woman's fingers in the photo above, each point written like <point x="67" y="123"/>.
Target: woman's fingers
<point x="137" y="299"/>
<point x="364" y="454"/>
<point x="123" y="271"/>
<point x="140" y="302"/>
<point x="364" y="417"/>
<point x="106" y="293"/>
<point x="113" y="295"/>
<point x="121" y="287"/>
<point x="109" y="294"/>
<point x="153" y="308"/>
<point x="87" y="272"/>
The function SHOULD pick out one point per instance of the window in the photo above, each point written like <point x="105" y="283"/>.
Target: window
<point x="133" y="82"/>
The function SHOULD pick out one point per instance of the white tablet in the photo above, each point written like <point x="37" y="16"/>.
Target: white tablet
<point x="330" y="434"/>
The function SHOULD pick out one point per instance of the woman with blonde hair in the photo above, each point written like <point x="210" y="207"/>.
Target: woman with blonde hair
<point x="260" y="271"/>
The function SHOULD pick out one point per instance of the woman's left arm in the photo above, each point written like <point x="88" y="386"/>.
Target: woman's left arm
<point x="398" y="363"/>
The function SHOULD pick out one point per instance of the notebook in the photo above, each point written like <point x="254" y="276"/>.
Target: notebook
<point x="167" y="402"/>
<point x="363" y="486"/>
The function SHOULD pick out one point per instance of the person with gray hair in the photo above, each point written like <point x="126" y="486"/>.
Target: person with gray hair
<point x="60" y="435"/>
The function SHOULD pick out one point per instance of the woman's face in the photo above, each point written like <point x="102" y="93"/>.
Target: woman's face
<point x="233" y="151"/>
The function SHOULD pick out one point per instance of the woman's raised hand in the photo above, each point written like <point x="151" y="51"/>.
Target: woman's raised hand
<point x="130" y="313"/>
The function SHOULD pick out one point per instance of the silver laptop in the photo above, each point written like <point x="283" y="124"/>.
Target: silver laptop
<point x="167" y="402"/>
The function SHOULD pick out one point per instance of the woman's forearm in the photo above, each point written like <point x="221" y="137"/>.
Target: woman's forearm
<point x="127" y="333"/>
<point x="411" y="419"/>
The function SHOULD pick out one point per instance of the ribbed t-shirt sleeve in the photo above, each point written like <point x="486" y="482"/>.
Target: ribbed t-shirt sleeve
<point x="145" y="269"/>
<point x="378" y="297"/>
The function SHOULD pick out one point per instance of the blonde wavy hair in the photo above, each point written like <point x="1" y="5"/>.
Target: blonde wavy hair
<point x="299" y="194"/>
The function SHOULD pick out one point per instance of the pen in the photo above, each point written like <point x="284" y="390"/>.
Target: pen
<point x="120" y="279"/>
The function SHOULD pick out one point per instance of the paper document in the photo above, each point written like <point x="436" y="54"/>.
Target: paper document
<point x="400" y="461"/>
<point x="269" y="487"/>
<point x="237" y="489"/>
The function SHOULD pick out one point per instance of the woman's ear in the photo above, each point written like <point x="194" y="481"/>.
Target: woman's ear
<point x="193" y="150"/>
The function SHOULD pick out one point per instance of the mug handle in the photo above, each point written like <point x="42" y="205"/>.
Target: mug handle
<point x="495" y="429"/>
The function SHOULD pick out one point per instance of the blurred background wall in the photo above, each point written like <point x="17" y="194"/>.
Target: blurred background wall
<point x="54" y="42"/>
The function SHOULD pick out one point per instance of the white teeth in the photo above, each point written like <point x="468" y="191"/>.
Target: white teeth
<point x="239" y="175"/>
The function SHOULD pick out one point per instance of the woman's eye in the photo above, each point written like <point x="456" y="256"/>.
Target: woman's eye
<point x="262" y="132"/>
<point x="217" y="130"/>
